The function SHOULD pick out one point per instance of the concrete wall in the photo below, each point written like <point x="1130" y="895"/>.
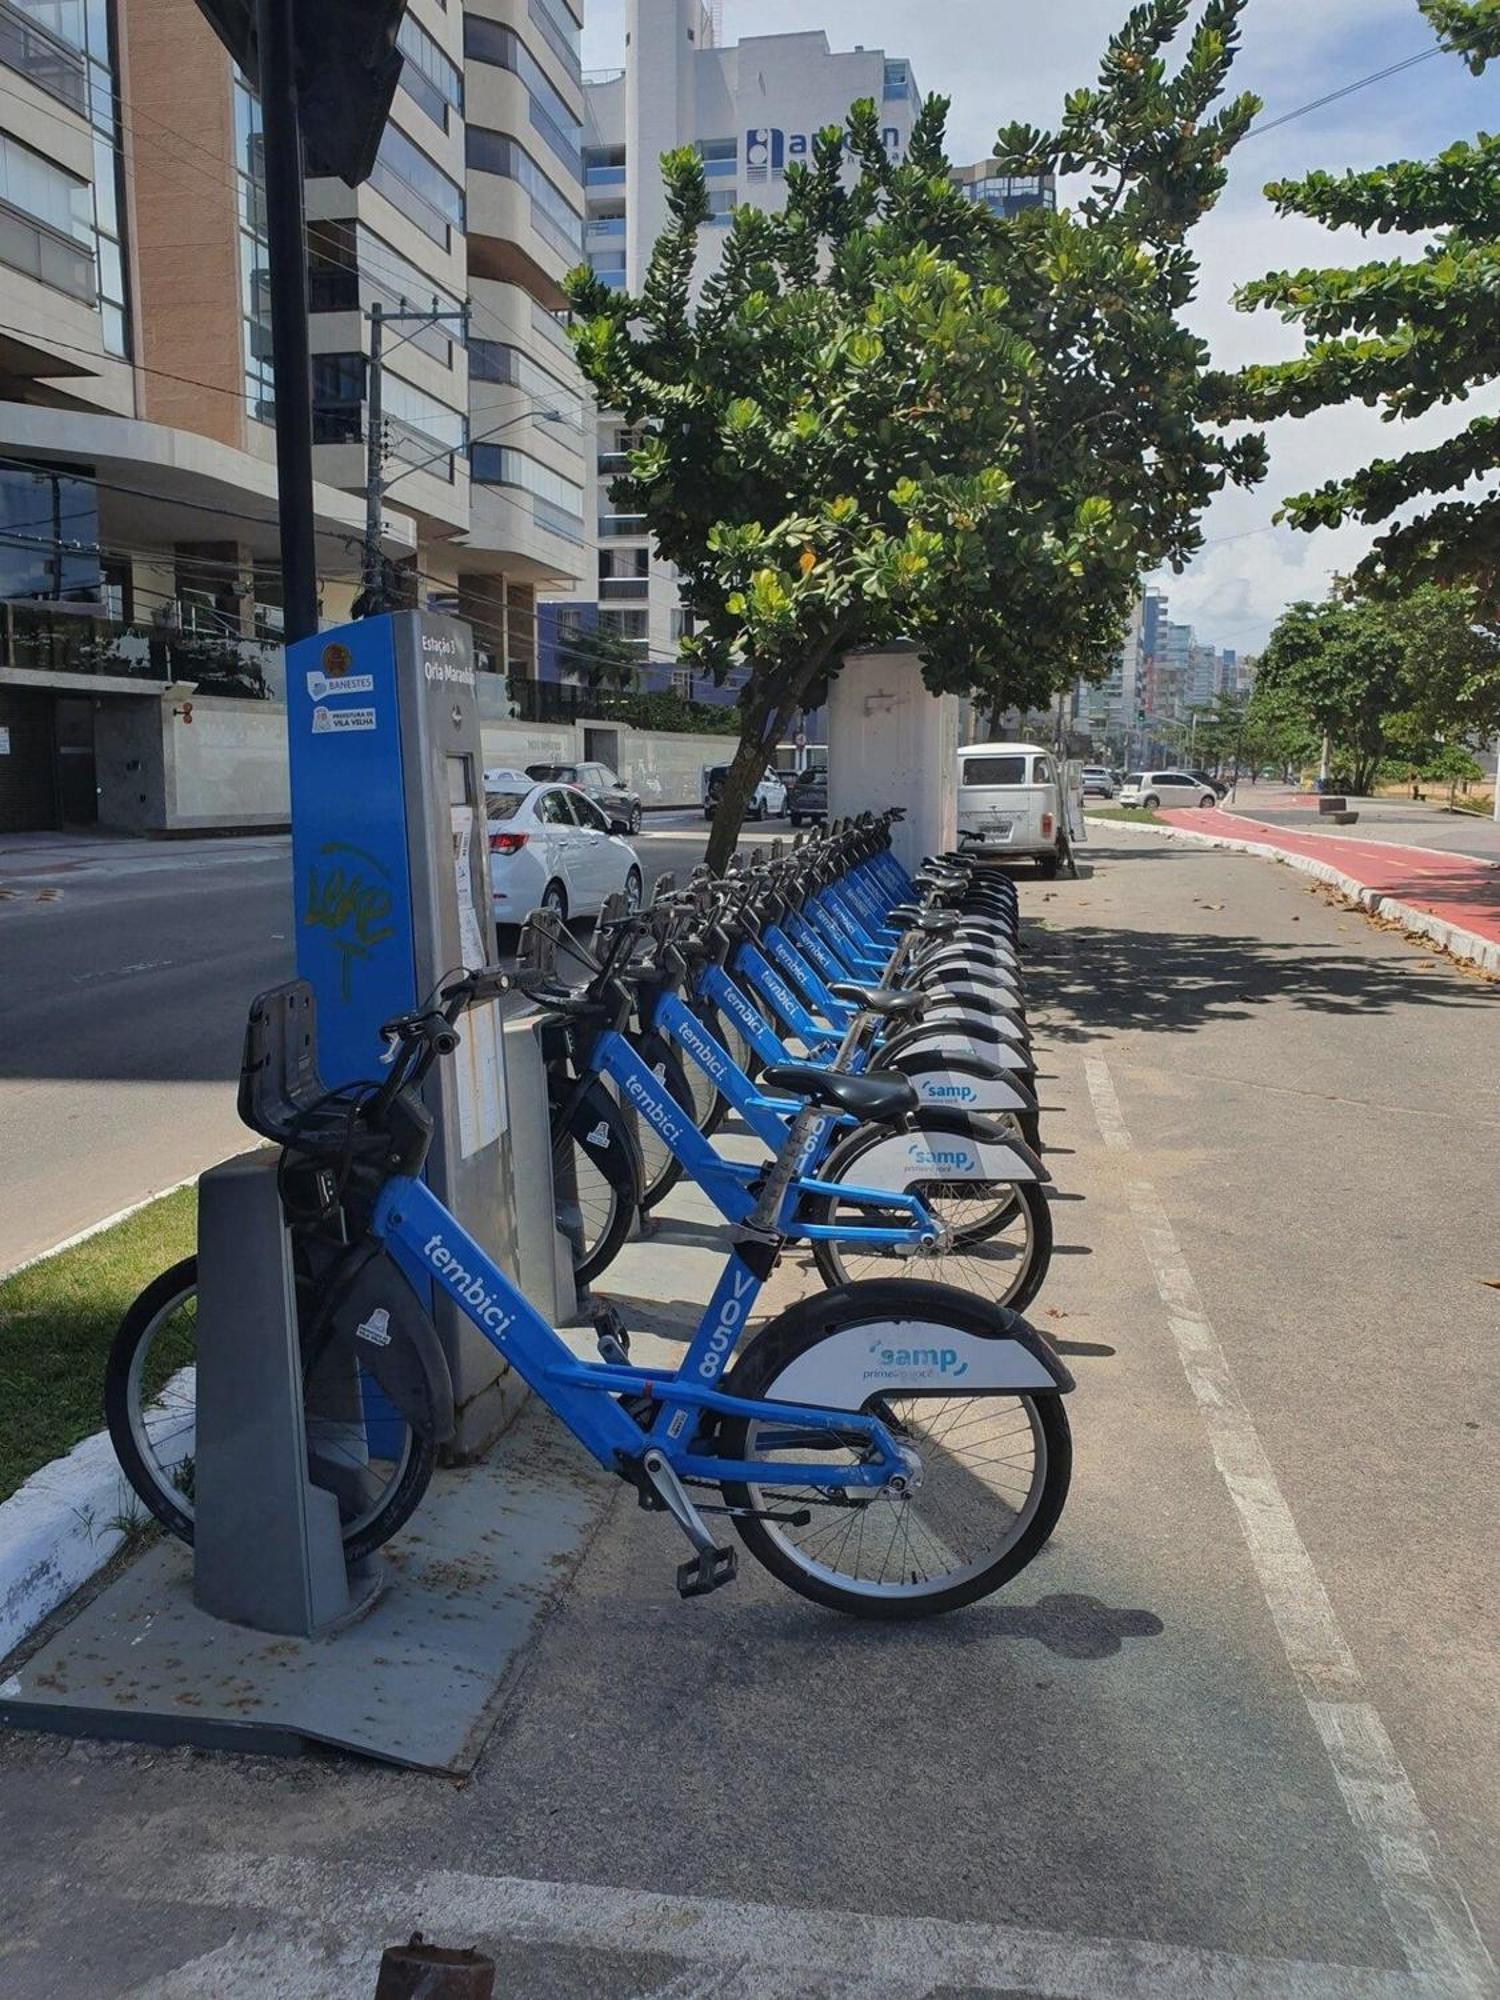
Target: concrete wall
<point x="227" y="767"/>
<point x="896" y="743"/>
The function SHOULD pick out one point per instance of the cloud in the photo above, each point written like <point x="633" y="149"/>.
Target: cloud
<point x="1005" y="59"/>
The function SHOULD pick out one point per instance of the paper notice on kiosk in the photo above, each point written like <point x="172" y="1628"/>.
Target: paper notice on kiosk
<point x="478" y="1065"/>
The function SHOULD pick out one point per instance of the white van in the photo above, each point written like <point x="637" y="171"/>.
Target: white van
<point x="1010" y="805"/>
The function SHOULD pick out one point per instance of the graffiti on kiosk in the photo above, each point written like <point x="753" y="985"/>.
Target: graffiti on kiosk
<point x="349" y="905"/>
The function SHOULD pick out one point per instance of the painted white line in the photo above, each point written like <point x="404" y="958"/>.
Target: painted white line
<point x="1317" y="829"/>
<point x="741" y="1951"/>
<point x="1425" y="1904"/>
<point x="98" y="1228"/>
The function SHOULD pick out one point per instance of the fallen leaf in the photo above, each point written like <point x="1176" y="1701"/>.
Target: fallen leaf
<point x="1425" y="965"/>
<point x="1493" y="1283"/>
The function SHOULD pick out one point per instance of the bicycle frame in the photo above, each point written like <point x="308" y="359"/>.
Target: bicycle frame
<point x="409" y="1217"/>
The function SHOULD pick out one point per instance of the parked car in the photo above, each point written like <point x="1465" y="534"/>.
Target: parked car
<point x="1010" y="805"/>
<point x="551" y="848"/>
<point x="1216" y="785"/>
<point x="1098" y="782"/>
<point x="808" y="797"/>
<point x="767" y="801"/>
<point x="619" y="804"/>
<point x="1166" y="788"/>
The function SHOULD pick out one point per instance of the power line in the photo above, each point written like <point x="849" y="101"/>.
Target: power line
<point x="1347" y="90"/>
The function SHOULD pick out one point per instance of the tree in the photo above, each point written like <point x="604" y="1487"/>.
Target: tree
<point x="1384" y="679"/>
<point x="605" y="658"/>
<point x="894" y="414"/>
<point x="1405" y="334"/>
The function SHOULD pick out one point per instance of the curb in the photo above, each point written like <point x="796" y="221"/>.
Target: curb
<point x="57" y="1531"/>
<point x="1450" y="938"/>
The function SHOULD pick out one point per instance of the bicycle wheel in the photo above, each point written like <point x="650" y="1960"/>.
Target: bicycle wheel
<point x="1000" y="1232"/>
<point x="377" y="1465"/>
<point x="662" y="1169"/>
<point x="995" y="1464"/>
<point x="596" y="1174"/>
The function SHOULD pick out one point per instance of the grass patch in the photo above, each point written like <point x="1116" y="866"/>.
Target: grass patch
<point x="1132" y="815"/>
<point x="57" y="1320"/>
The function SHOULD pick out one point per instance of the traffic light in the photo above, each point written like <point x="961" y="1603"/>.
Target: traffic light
<point x="348" y="66"/>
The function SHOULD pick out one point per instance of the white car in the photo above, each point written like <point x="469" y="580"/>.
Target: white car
<point x="1098" y="782"/>
<point x="1165" y="788"/>
<point x="551" y="849"/>
<point x="767" y="801"/>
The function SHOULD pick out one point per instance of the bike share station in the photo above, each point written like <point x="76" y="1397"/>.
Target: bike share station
<point x="262" y="1637"/>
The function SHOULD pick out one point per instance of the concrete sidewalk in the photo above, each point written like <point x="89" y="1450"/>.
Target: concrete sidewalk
<point x="1236" y="1733"/>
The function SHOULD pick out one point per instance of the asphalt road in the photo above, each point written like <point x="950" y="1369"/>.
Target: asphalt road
<point x="1236" y="1733"/>
<point x="127" y="970"/>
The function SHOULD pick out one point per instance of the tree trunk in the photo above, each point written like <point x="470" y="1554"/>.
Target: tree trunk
<point x="760" y="731"/>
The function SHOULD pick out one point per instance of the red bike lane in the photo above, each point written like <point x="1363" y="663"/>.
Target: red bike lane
<point x="1450" y="887"/>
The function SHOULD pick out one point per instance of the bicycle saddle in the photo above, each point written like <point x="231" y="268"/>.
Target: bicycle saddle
<point x="881" y="1096"/>
<point x="878" y="1000"/>
<point x="938" y="922"/>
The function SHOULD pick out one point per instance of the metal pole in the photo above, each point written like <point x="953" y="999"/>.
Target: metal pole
<point x="373" y="594"/>
<point x="286" y="240"/>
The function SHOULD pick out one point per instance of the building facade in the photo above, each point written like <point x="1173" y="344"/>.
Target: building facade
<point x="140" y="592"/>
<point x="1006" y="194"/>
<point x="750" y="108"/>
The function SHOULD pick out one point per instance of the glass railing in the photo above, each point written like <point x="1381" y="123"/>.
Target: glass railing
<point x="619" y="587"/>
<point x="612" y="526"/>
<point x="604" y="177"/>
<point x="29" y="246"/>
<point x="48" y="639"/>
<point x="50" y="64"/>
<point x="606" y="225"/>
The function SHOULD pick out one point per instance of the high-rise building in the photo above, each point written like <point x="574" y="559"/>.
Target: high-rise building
<point x="139" y="555"/>
<point x="1006" y="194"/>
<point x="750" y="108"/>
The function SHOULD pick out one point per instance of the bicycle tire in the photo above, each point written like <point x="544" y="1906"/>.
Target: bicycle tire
<point x="967" y="1270"/>
<point x="783" y="1340"/>
<point x="121" y="1385"/>
<point x="599" y="1139"/>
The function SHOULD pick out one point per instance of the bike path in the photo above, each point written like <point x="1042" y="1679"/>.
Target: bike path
<point x="1125" y="1776"/>
<point x="1456" y="889"/>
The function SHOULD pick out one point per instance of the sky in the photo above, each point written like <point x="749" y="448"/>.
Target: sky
<point x="1004" y="59"/>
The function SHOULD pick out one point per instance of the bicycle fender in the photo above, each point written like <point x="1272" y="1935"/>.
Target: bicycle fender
<point x="950" y="1084"/>
<point x="380" y="1321"/>
<point x="903" y="1357"/>
<point x="949" y="1146"/>
<point x="967" y="1035"/>
<point x="599" y="1125"/>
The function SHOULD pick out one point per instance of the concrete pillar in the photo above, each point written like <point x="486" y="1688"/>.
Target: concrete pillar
<point x="661" y="37"/>
<point x="891" y="742"/>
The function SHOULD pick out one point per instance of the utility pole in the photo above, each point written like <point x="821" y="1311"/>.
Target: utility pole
<point x="372" y="569"/>
<point x="1497" y="780"/>
<point x="290" y="347"/>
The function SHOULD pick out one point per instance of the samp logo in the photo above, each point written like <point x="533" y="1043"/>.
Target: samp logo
<point x="337" y="660"/>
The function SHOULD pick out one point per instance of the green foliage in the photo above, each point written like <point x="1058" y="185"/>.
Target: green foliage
<point x="892" y="414"/>
<point x="605" y="658"/>
<point x="1389" y="680"/>
<point x="1403" y="335"/>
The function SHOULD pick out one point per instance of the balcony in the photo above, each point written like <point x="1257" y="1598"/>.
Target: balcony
<point x="604" y="177"/>
<point x="30" y="247"/>
<point x="614" y="526"/>
<point x="619" y="589"/>
<point x="71" y="639"/>
<point x="606" y="225"/>
<point x="47" y="62"/>
<point x="612" y="463"/>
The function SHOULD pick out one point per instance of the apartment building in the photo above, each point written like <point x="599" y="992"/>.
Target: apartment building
<point x="1005" y="194"/>
<point x="139" y="572"/>
<point x="750" y="108"/>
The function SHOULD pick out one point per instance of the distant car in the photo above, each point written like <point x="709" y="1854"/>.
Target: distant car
<point x="551" y="848"/>
<point x="808" y="797"/>
<point x="619" y="804"/>
<point x="1098" y="783"/>
<point x="1216" y="785"/>
<point x="767" y="801"/>
<point x="1166" y="788"/>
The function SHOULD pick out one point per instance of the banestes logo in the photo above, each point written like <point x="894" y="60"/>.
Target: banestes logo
<point x="479" y="1301"/>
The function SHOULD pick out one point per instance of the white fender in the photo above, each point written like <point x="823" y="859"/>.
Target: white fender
<point x="907" y="1356"/>
<point x="977" y="999"/>
<point x="903" y="1158"/>
<point x="949" y="1039"/>
<point x="945" y="1090"/>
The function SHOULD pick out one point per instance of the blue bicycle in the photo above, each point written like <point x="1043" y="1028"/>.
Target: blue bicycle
<point x="889" y="1449"/>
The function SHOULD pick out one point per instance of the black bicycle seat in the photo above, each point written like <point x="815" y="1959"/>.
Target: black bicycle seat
<point x="878" y="1000"/>
<point x="938" y="923"/>
<point x="880" y="1095"/>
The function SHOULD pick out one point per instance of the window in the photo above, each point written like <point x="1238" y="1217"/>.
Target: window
<point x="589" y="815"/>
<point x="417" y="186"/>
<point x="35" y="52"/>
<point x="625" y="624"/>
<point x="553" y="216"/>
<point x="720" y="157"/>
<point x="552" y="809"/>
<point x="994" y="771"/>
<point x="429" y="76"/>
<point x="498" y="361"/>
<point x="897" y="82"/>
<point x="49" y="533"/>
<point x="557" y="503"/>
<point x="721" y="206"/>
<point x="1041" y="771"/>
<point x="561" y="33"/>
<point x="489" y="42"/>
<point x="348" y="265"/>
<point x="338" y="390"/>
<point x="43" y="191"/>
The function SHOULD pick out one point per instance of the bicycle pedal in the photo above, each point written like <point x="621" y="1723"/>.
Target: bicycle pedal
<point x="610" y="1333"/>
<point x="709" y="1570"/>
